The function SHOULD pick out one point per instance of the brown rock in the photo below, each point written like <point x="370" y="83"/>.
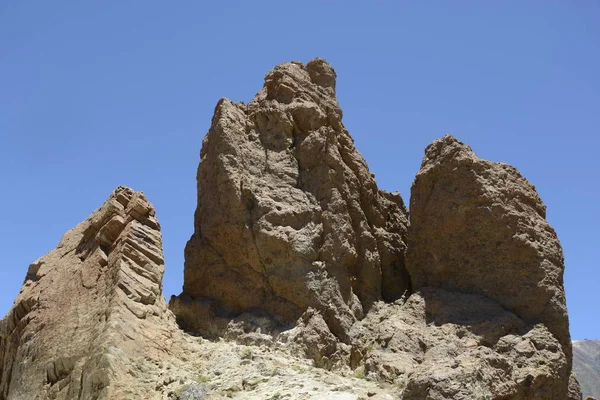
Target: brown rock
<point x="91" y="314"/>
<point x="289" y="216"/>
<point x="479" y="227"/>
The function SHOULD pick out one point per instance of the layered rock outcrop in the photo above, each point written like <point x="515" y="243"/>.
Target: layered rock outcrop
<point x="289" y="216"/>
<point x="91" y="314"/>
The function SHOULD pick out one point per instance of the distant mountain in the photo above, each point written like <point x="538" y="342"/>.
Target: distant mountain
<point x="586" y="364"/>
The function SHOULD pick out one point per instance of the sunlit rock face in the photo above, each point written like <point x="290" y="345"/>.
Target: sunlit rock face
<point x="479" y="226"/>
<point x="91" y="311"/>
<point x="308" y="281"/>
<point x="289" y="216"/>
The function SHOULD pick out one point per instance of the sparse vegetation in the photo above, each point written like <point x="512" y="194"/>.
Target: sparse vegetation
<point x="359" y="372"/>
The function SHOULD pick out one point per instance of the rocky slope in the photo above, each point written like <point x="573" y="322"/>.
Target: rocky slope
<point x="91" y="323"/>
<point x="586" y="364"/>
<point x="302" y="279"/>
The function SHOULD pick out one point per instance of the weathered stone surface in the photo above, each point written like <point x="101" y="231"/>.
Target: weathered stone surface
<point x="90" y="318"/>
<point x="290" y="224"/>
<point x="289" y="216"/>
<point x="479" y="227"/>
<point x="441" y="344"/>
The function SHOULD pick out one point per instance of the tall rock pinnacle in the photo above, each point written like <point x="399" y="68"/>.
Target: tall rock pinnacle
<point x="75" y="329"/>
<point x="288" y="214"/>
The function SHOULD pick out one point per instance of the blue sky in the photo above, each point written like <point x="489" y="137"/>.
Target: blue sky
<point x="99" y="94"/>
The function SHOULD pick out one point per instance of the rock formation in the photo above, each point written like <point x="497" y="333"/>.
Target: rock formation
<point x="291" y="227"/>
<point x="289" y="216"/>
<point x="91" y="314"/>
<point x="479" y="227"/>
<point x="298" y="261"/>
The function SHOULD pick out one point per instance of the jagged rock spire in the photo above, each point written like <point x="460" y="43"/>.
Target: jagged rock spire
<point x="289" y="216"/>
<point x="74" y="330"/>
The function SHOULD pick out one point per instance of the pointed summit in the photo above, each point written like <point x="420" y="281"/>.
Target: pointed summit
<point x="288" y="215"/>
<point x="72" y="331"/>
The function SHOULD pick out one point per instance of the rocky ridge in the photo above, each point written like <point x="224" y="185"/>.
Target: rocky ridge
<point x="302" y="279"/>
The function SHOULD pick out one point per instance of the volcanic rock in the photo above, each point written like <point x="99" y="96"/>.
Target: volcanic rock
<point x="289" y="216"/>
<point x="90" y="323"/>
<point x="575" y="391"/>
<point x="441" y="344"/>
<point x="479" y="227"/>
<point x="90" y="315"/>
<point x="298" y="261"/>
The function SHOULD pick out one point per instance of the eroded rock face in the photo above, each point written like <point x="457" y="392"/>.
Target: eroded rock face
<point x="441" y="344"/>
<point x="479" y="227"/>
<point x="90" y="315"/>
<point x="586" y="364"/>
<point x="291" y="225"/>
<point x="289" y="216"/>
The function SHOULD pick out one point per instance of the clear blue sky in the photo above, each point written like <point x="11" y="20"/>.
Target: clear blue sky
<point x="106" y="93"/>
